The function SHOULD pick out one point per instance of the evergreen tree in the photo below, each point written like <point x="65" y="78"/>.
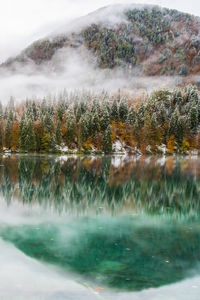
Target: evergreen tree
<point x="193" y="119"/>
<point x="123" y="110"/>
<point x="43" y="107"/>
<point x="46" y="142"/>
<point x="191" y="93"/>
<point x="38" y="135"/>
<point x="131" y="119"/>
<point x="30" y="142"/>
<point x="162" y="114"/>
<point x="61" y="110"/>
<point x="105" y="118"/>
<point x="7" y="132"/>
<point x="176" y="97"/>
<point x="6" y="113"/>
<point x="140" y="115"/>
<point x="84" y="128"/>
<point x="173" y="130"/>
<point x="154" y="122"/>
<point x="22" y="133"/>
<point x="107" y="140"/>
<point x="95" y="107"/>
<point x="78" y="113"/>
<point x="34" y="111"/>
<point x="70" y="133"/>
<point x="48" y="123"/>
<point x="58" y="133"/>
<point x="95" y="123"/>
<point x="180" y="130"/>
<point x="114" y="114"/>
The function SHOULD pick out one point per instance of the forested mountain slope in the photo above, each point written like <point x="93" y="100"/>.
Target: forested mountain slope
<point x="141" y="40"/>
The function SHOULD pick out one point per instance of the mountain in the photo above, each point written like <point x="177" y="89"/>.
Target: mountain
<point x="146" y="40"/>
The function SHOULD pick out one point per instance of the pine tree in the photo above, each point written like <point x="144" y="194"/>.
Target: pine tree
<point x="34" y="111"/>
<point x="173" y="130"/>
<point x="154" y="122"/>
<point x="95" y="123"/>
<point x="46" y="142"/>
<point x="191" y="93"/>
<point x="180" y="130"/>
<point x="193" y="119"/>
<point x="38" y="135"/>
<point x="84" y="128"/>
<point x="114" y="114"/>
<point x="6" y="113"/>
<point x="140" y="115"/>
<point x="162" y="114"/>
<point x="61" y="109"/>
<point x="48" y="123"/>
<point x="105" y="118"/>
<point x="95" y="107"/>
<point x="123" y="110"/>
<point x="176" y="97"/>
<point x="78" y="113"/>
<point x="22" y="133"/>
<point x="70" y="132"/>
<point x="107" y="140"/>
<point x="131" y="119"/>
<point x="30" y="142"/>
<point x="58" y="133"/>
<point x="7" y="132"/>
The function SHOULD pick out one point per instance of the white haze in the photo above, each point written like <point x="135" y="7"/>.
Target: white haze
<point x="79" y="71"/>
<point x="22" y="21"/>
<point x="78" y="66"/>
<point x="30" y="279"/>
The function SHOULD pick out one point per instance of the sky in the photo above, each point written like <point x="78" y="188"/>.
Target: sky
<point x="22" y="21"/>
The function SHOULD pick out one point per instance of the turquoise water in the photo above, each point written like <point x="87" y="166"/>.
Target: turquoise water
<point x="124" y="224"/>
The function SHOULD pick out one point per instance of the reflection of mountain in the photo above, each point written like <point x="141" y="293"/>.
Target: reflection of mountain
<point x="123" y="253"/>
<point x="99" y="184"/>
<point x="149" y="40"/>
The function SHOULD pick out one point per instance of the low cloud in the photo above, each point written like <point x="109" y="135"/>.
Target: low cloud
<point x="75" y="69"/>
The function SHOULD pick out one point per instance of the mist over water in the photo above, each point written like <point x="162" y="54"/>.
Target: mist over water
<point x="112" y="227"/>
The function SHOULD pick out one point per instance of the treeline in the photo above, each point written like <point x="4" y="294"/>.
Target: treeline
<point x="167" y="121"/>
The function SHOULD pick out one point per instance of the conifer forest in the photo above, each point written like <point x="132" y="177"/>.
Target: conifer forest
<point x="163" y="122"/>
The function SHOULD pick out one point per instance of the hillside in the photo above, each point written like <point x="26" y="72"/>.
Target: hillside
<point x="147" y="40"/>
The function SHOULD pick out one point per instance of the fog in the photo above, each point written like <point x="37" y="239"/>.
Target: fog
<point x="75" y="69"/>
<point x="28" y="278"/>
<point x="70" y="68"/>
<point x="22" y="21"/>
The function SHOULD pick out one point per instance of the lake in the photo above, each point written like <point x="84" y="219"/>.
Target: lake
<point x="107" y="227"/>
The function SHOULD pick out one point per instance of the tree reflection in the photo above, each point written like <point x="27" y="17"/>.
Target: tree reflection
<point x="112" y="184"/>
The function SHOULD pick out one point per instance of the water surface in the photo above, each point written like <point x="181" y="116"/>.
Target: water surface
<point x="113" y="227"/>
